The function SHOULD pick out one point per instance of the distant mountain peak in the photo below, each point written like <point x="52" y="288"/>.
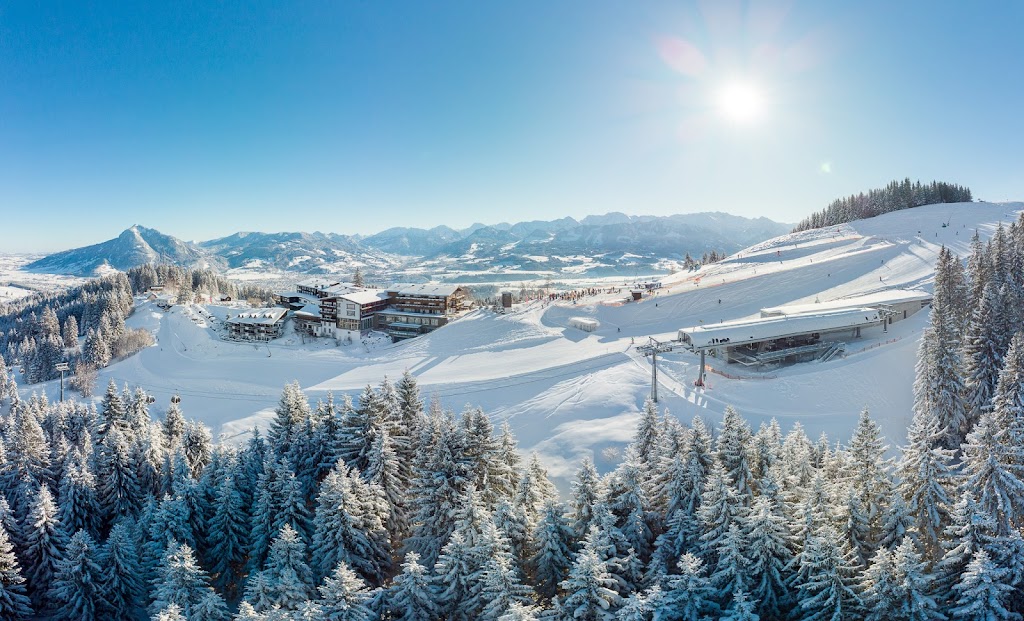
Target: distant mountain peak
<point x="136" y="245"/>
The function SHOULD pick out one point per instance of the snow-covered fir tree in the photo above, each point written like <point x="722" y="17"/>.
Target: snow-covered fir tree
<point x="180" y="581"/>
<point x="983" y="592"/>
<point x="76" y="588"/>
<point x="14" y="602"/>
<point x="589" y="589"/>
<point x="410" y="597"/>
<point x="344" y="596"/>
<point x="287" y="575"/>
<point x="121" y="582"/>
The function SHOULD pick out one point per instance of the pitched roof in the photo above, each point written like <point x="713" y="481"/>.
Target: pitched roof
<point x="264" y="316"/>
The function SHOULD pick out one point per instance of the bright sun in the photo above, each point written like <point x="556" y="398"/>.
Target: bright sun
<point x="740" y="102"/>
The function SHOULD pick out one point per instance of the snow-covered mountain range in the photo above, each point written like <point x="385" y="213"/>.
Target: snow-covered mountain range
<point x="609" y="240"/>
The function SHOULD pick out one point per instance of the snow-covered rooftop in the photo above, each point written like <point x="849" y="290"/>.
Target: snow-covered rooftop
<point x="871" y="300"/>
<point x="317" y="283"/>
<point x="428" y="289"/>
<point x="312" y="299"/>
<point x="342" y="288"/>
<point x="309" y="310"/>
<point x="365" y="296"/>
<point x="264" y="316"/>
<point x="766" y="328"/>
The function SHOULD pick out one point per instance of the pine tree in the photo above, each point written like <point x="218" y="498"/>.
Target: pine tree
<point x="180" y="581"/>
<point x="938" y="388"/>
<point x="550" y="565"/>
<point x="79" y="508"/>
<point x="731" y="452"/>
<point x="505" y="470"/>
<point x="267" y="501"/>
<point x="627" y="500"/>
<point x="641" y="605"/>
<point x="983" y="591"/>
<point x="95" y="350"/>
<point x="45" y="540"/>
<point x="172" y="612"/>
<point x="437" y="491"/>
<point x="457" y="577"/>
<point x="981" y="355"/>
<point x="742" y="608"/>
<point x="28" y="454"/>
<point x="259" y="592"/>
<point x="646" y="441"/>
<point x="14" y="603"/>
<point x="589" y="589"/>
<point x="360" y="427"/>
<point x="870" y="481"/>
<point x="112" y="410"/>
<point x="121" y="582"/>
<point x="925" y="476"/>
<point x="614" y="552"/>
<point x="914" y="595"/>
<point x="229" y="530"/>
<point x="384" y="471"/>
<point x="501" y="587"/>
<point x="732" y="571"/>
<point x="70" y="332"/>
<point x="409" y="598"/>
<point x="348" y="526"/>
<point x="289" y="577"/>
<point x="173" y="428"/>
<point x="76" y="586"/>
<point x="534" y="490"/>
<point x="520" y="612"/>
<point x="825" y="579"/>
<point x="344" y="596"/>
<point x="211" y="607"/>
<point x="971" y="529"/>
<point x="854" y="526"/>
<point x="767" y="539"/>
<point x="291" y="411"/>
<point x="994" y="472"/>
<point x="119" y="492"/>
<point x="689" y="596"/>
<point x="720" y="507"/>
<point x="585" y="490"/>
<point x="291" y="507"/>
<point x="1008" y="400"/>
<point x="880" y="587"/>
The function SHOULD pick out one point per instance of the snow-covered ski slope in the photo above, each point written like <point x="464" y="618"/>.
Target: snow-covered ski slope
<point x="569" y="393"/>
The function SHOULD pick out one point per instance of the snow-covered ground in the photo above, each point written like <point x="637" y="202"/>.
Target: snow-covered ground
<point x="15" y="282"/>
<point x="569" y="393"/>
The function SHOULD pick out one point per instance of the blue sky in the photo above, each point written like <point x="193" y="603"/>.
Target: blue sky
<point x="204" y="118"/>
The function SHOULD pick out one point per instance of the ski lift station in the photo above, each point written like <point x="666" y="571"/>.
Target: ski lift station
<point x="796" y="333"/>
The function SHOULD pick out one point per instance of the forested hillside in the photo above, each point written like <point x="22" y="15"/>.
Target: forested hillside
<point x="40" y="331"/>
<point x="893" y="197"/>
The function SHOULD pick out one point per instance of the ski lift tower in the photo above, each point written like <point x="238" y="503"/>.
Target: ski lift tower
<point x="652" y="349"/>
<point x="63" y="367"/>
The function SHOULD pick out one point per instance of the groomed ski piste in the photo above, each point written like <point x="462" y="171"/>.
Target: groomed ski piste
<point x="569" y="393"/>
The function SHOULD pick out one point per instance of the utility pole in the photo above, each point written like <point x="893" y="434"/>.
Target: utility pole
<point x="62" y="367"/>
<point x="652" y="349"/>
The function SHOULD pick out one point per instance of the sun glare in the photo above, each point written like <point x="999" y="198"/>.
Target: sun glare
<point x="740" y="102"/>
